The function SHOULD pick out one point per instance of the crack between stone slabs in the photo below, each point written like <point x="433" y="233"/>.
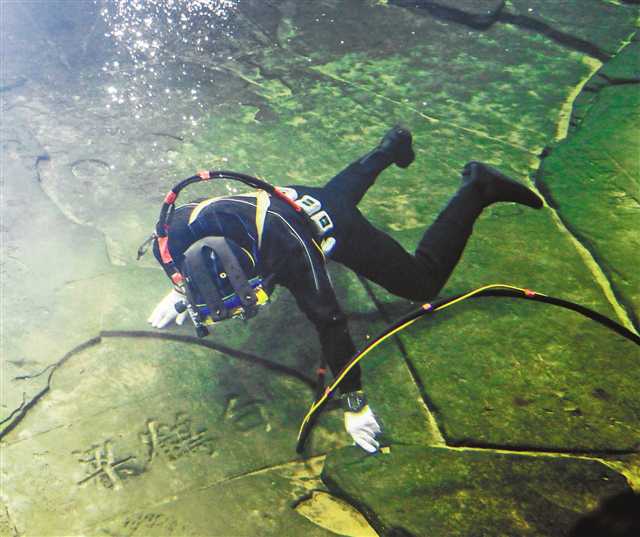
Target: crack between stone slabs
<point x="581" y="455"/>
<point x="585" y="253"/>
<point x="375" y="522"/>
<point x="425" y="400"/>
<point x="632" y="477"/>
<point x="228" y="351"/>
<point x="563" y="130"/>
<point x="191" y="490"/>
<point x="533" y="451"/>
<point x="500" y="14"/>
<point x="623" y="311"/>
<point x="566" y="111"/>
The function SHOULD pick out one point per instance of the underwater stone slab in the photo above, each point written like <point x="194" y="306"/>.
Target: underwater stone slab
<point x="142" y="421"/>
<point x="505" y="86"/>
<point x="260" y="503"/>
<point x="425" y="187"/>
<point x="593" y="179"/>
<point x="477" y="14"/>
<point x="46" y="255"/>
<point x="508" y="373"/>
<point x="577" y="19"/>
<point x="436" y="491"/>
<point x="624" y="66"/>
<point x="504" y="230"/>
<point x="512" y="373"/>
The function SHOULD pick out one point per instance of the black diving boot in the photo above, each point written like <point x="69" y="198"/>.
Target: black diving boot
<point x="396" y="146"/>
<point x="495" y="186"/>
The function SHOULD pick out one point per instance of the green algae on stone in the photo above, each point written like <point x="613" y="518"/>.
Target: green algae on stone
<point x="593" y="179"/>
<point x="623" y="68"/>
<point x="436" y="491"/>
<point x="580" y="20"/>
<point x="510" y="373"/>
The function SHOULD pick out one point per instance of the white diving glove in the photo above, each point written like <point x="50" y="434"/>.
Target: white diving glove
<point x="360" y="422"/>
<point x="165" y="312"/>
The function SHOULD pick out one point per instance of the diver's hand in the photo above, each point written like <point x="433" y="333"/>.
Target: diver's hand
<point x="363" y="428"/>
<point x="165" y="312"/>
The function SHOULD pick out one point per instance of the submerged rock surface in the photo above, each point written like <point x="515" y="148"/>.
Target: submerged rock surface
<point x="504" y="416"/>
<point x="432" y="491"/>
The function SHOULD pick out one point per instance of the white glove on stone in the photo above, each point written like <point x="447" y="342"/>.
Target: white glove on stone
<point x="363" y="427"/>
<point x="165" y="312"/>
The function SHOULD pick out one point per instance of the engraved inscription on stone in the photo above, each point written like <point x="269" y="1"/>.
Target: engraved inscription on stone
<point x="171" y="442"/>
<point x="246" y="414"/>
<point x="149" y="524"/>
<point x="168" y="442"/>
<point x="105" y="469"/>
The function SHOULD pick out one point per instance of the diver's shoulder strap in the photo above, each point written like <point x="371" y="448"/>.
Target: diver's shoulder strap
<point x="263" y="201"/>
<point x="201" y="206"/>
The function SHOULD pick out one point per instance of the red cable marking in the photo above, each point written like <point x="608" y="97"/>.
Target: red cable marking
<point x="204" y="175"/>
<point x="529" y="292"/>
<point x="163" y="246"/>
<point x="287" y="199"/>
<point x="170" y="197"/>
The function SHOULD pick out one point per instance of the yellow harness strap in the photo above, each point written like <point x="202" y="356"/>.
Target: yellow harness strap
<point x="263" y="201"/>
<point x="198" y="208"/>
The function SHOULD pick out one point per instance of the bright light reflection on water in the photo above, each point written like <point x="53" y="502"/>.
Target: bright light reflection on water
<point x="160" y="42"/>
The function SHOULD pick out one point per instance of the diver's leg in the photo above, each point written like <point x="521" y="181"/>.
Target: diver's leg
<point x="378" y="257"/>
<point x="352" y="183"/>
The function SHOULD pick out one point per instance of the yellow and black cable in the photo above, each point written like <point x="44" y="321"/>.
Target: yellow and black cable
<point x="495" y="290"/>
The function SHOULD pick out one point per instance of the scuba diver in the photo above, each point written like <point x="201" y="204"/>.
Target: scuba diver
<point x="234" y="250"/>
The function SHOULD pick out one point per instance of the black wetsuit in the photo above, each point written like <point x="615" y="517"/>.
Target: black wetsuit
<point x="288" y="257"/>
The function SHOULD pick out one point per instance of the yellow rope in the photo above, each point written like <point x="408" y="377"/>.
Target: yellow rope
<point x="374" y="344"/>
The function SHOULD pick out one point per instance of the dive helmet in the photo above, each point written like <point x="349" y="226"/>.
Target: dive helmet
<point x="218" y="277"/>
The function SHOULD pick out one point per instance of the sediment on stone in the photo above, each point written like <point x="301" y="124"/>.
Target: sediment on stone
<point x="16" y="416"/>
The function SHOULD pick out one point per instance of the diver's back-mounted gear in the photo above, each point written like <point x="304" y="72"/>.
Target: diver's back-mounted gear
<point x="213" y="280"/>
<point x="217" y="284"/>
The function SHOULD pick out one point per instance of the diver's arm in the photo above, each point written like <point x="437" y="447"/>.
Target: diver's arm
<point x="321" y="307"/>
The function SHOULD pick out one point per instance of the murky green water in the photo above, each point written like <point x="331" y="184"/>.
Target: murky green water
<point x="500" y="417"/>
